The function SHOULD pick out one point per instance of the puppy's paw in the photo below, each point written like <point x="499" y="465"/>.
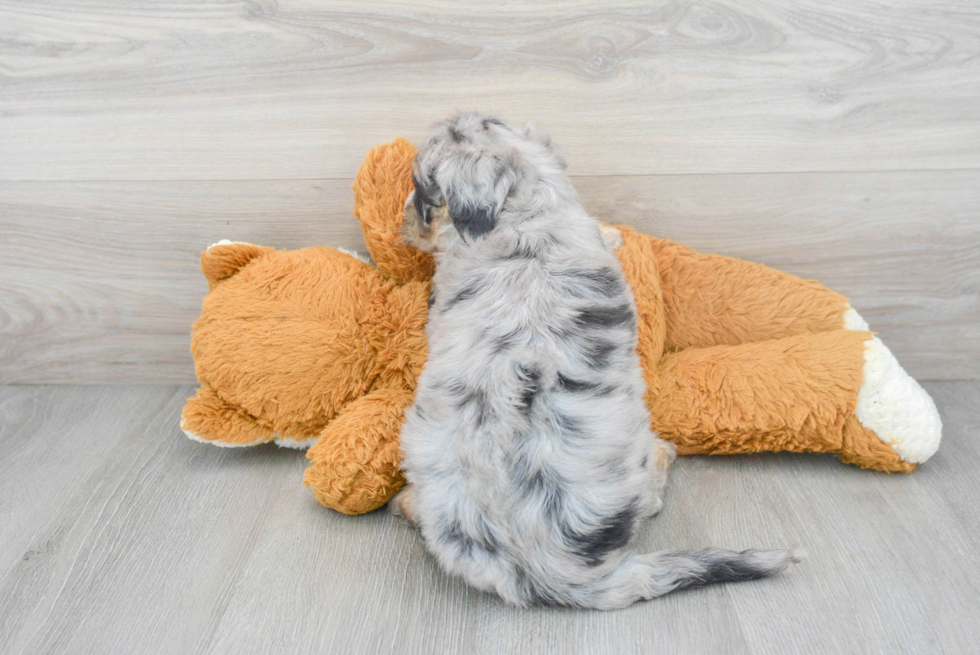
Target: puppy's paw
<point x="402" y="505"/>
<point x="666" y="453"/>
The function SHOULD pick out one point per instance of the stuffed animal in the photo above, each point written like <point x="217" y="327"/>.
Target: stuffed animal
<point x="317" y="347"/>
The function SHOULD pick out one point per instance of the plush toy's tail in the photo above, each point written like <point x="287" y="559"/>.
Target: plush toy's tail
<point x="642" y="577"/>
<point x="225" y="258"/>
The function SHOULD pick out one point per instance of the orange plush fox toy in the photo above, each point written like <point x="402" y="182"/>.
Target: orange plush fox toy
<point x="316" y="347"/>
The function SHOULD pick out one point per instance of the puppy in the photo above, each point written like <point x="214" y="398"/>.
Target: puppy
<point x="528" y="450"/>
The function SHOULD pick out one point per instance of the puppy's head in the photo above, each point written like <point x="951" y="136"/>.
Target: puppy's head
<point x="470" y="178"/>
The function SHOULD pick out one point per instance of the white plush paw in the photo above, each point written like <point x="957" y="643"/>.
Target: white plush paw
<point x="354" y="254"/>
<point x="220" y="444"/>
<point x="895" y="407"/>
<point x="298" y="444"/>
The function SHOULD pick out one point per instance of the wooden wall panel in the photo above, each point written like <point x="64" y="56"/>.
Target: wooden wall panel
<point x="100" y="280"/>
<point x="143" y="90"/>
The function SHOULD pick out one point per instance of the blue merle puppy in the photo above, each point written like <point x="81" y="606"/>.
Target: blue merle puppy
<point x="528" y="450"/>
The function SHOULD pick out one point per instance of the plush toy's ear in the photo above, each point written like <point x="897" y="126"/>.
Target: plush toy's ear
<point x="476" y="187"/>
<point x="383" y="182"/>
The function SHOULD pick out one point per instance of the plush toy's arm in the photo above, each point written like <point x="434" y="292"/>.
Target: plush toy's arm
<point x="382" y="185"/>
<point x="355" y="461"/>
<point x="209" y="419"/>
<point x="797" y="394"/>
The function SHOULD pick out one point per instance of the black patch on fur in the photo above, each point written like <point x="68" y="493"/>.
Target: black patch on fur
<point x="469" y="219"/>
<point x="531" y="379"/>
<point x="521" y="251"/>
<point x="550" y="488"/>
<point x="484" y="540"/>
<point x="456" y="387"/>
<point x="598" y="353"/>
<point x="605" y="317"/>
<point x="614" y="533"/>
<point x="542" y="483"/>
<point x="604" y="282"/>
<point x="432" y="298"/>
<point x="643" y="462"/>
<point x="466" y="293"/>
<point x="422" y="209"/>
<point x="487" y="122"/>
<point x="478" y="400"/>
<point x="575" y="386"/>
<point x="456" y="135"/>
<point x="424" y="199"/>
<point x="468" y="397"/>
<point x="719" y="566"/>
<point x="505" y="341"/>
<point x="569" y="426"/>
<point x="533" y="591"/>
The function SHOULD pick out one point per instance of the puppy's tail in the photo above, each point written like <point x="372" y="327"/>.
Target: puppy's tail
<point x="641" y="577"/>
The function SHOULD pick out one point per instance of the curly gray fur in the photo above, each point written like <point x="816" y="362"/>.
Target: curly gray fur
<point x="528" y="448"/>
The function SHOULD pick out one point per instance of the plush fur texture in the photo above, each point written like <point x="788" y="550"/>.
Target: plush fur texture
<point x="528" y="448"/>
<point x="737" y="357"/>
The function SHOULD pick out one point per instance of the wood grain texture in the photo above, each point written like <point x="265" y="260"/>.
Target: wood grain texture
<point x="120" y="535"/>
<point x="258" y="89"/>
<point x="100" y="280"/>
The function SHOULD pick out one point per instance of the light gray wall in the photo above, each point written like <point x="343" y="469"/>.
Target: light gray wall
<point x="838" y="141"/>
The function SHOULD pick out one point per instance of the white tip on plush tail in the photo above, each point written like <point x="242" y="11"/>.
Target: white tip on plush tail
<point x="297" y="444"/>
<point x="892" y="404"/>
<point x="226" y="242"/>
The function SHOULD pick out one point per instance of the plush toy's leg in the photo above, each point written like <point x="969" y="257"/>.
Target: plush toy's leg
<point x="206" y="414"/>
<point x="710" y="300"/>
<point x="355" y="462"/>
<point x="891" y="403"/>
<point x="797" y="394"/>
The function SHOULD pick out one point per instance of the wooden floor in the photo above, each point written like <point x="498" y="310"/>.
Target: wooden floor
<point x="118" y="535"/>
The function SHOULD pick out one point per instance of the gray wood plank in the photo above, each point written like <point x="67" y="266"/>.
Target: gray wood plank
<point x="122" y="89"/>
<point x="958" y="404"/>
<point x="100" y="280"/>
<point x="129" y="538"/>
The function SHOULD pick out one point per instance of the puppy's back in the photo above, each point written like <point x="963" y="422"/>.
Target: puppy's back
<point x="528" y="446"/>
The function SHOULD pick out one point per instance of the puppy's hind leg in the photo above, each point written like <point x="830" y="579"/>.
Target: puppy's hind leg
<point x="611" y="237"/>
<point x="402" y="504"/>
<point x="662" y="456"/>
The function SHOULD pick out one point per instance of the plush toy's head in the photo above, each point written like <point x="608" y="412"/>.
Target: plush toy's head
<point x="289" y="338"/>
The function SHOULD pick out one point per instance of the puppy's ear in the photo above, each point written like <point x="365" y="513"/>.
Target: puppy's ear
<point x="535" y="134"/>
<point x="476" y="186"/>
